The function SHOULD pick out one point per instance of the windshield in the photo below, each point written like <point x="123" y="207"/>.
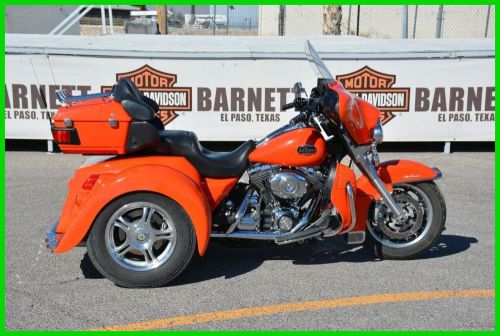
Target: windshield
<point x="316" y="62"/>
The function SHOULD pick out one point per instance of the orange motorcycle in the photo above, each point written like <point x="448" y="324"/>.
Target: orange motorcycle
<point x="152" y="197"/>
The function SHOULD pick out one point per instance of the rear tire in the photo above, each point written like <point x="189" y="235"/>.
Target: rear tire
<point x="141" y="240"/>
<point x="425" y="237"/>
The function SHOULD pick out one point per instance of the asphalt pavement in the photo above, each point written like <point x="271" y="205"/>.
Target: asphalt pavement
<point x="46" y="291"/>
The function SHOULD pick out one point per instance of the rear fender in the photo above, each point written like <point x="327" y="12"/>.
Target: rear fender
<point x="82" y="208"/>
<point x="390" y="172"/>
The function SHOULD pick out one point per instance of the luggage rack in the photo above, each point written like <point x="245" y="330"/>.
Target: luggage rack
<point x="65" y="97"/>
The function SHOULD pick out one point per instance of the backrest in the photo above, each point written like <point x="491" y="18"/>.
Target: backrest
<point x="130" y="97"/>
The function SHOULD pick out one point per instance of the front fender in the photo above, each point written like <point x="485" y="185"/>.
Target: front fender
<point x="390" y="172"/>
<point x="82" y="208"/>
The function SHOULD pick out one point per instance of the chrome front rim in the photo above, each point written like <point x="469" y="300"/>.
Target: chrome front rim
<point x="418" y="209"/>
<point x="140" y="236"/>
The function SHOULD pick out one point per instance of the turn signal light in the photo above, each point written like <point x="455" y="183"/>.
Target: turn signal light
<point x="90" y="181"/>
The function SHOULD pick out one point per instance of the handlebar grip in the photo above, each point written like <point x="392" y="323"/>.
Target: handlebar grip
<point x="301" y="117"/>
<point x="287" y="106"/>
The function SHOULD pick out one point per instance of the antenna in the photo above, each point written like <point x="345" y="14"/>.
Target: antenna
<point x="52" y="72"/>
<point x="42" y="94"/>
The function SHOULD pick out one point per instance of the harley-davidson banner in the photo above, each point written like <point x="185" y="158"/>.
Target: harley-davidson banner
<point x="420" y="99"/>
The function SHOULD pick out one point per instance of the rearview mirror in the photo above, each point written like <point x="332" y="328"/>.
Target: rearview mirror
<point x="298" y="89"/>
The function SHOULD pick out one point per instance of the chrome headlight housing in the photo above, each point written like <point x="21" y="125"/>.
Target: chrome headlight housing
<point x="378" y="133"/>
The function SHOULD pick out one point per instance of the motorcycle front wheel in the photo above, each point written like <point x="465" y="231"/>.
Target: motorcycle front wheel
<point x="425" y="208"/>
<point x="141" y="240"/>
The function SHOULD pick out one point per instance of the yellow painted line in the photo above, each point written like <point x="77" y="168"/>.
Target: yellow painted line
<point x="294" y="307"/>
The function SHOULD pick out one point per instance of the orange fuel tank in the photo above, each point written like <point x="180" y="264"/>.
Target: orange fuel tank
<point x="298" y="147"/>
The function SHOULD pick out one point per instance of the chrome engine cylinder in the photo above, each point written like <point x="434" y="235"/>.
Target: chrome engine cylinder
<point x="288" y="185"/>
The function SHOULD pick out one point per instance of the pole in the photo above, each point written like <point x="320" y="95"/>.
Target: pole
<point x="439" y="24"/>
<point x="227" y="20"/>
<point x="357" y="24"/>
<point x="281" y="21"/>
<point x="405" y="22"/>
<point x="103" y="20"/>
<point x="415" y="21"/>
<point x="349" y="22"/>
<point x="161" y="15"/>
<point x="215" y="10"/>
<point x="74" y="20"/>
<point x="110" y="11"/>
<point x="487" y="21"/>
<point x="66" y="20"/>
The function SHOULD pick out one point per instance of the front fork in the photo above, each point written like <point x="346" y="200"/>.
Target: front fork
<point x="367" y="168"/>
<point x="365" y="165"/>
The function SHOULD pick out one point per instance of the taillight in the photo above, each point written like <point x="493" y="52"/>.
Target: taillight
<point x="90" y="181"/>
<point x="65" y="136"/>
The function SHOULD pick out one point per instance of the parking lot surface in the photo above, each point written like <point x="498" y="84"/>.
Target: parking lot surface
<point x="328" y="285"/>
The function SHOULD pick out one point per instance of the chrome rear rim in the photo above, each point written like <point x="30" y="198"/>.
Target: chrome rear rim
<point x="140" y="236"/>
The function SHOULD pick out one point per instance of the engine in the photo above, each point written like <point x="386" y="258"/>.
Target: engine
<point x="280" y="196"/>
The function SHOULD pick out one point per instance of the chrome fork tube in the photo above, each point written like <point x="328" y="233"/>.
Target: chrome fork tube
<point x="368" y="169"/>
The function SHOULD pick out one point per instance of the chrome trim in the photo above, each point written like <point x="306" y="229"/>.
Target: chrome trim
<point x="68" y="122"/>
<point x="353" y="239"/>
<point x="378" y="133"/>
<point x="359" y="156"/>
<point x="352" y="206"/>
<point x="247" y="235"/>
<point x="113" y="122"/>
<point x="307" y="216"/>
<point x="322" y="130"/>
<point x="62" y="95"/>
<point x="369" y="170"/>
<point x="312" y="235"/>
<point x="51" y="242"/>
<point x="439" y="174"/>
<point x="241" y="211"/>
<point x="277" y="237"/>
<point x="280" y="131"/>
<point x="65" y="97"/>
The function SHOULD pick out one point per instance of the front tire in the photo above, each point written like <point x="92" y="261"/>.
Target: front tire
<point x="426" y="209"/>
<point x="141" y="240"/>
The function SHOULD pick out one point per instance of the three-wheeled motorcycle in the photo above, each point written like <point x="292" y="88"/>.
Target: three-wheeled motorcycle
<point x="150" y="198"/>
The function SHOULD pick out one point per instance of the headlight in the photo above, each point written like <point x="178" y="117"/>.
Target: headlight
<point x="378" y="133"/>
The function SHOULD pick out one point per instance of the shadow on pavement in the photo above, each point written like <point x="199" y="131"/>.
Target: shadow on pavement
<point x="228" y="262"/>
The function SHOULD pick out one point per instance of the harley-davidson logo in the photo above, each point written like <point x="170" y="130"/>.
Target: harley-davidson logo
<point x="306" y="150"/>
<point x="159" y="86"/>
<point x="377" y="88"/>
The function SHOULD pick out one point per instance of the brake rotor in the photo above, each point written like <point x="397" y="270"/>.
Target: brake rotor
<point x="410" y="226"/>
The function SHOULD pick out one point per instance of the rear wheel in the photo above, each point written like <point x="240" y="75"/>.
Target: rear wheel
<point x="141" y="240"/>
<point x="425" y="208"/>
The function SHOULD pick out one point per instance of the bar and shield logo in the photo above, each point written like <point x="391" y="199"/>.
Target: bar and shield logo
<point x="377" y="89"/>
<point x="159" y="86"/>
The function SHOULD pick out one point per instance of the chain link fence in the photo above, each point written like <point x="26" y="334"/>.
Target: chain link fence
<point x="390" y="21"/>
<point x="180" y="20"/>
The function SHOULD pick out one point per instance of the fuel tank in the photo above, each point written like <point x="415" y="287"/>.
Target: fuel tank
<point x="292" y="147"/>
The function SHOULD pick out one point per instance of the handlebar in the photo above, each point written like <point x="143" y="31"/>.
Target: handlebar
<point x="297" y="103"/>
<point x="287" y="106"/>
<point x="302" y="116"/>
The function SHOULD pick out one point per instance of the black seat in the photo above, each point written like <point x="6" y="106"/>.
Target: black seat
<point x="208" y="163"/>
